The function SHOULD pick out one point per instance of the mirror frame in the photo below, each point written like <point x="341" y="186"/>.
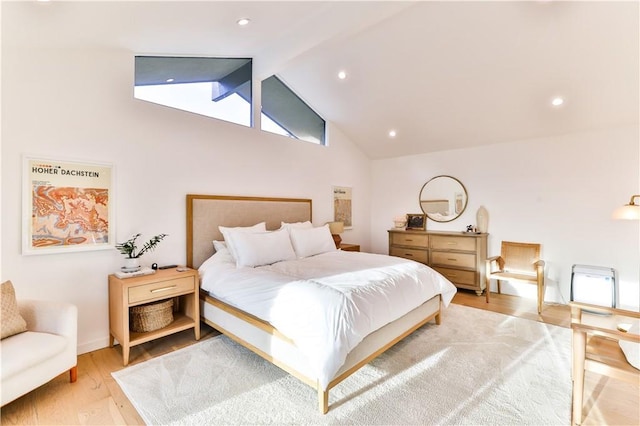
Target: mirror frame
<point x="464" y="206"/>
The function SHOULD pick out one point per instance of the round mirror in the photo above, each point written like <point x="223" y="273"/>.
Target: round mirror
<point x="443" y="198"/>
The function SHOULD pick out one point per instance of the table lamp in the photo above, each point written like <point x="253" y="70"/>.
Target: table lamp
<point x="336" y="229"/>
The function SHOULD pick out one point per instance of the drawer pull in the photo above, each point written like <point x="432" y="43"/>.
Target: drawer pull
<point x="453" y="260"/>
<point x="452" y="243"/>
<point x="408" y="254"/>
<point x="158" y="290"/>
<point x="452" y="275"/>
<point x="409" y="240"/>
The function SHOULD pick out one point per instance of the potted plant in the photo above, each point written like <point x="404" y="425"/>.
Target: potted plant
<point x="130" y="249"/>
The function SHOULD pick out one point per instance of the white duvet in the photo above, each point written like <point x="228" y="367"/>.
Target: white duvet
<point x="326" y="303"/>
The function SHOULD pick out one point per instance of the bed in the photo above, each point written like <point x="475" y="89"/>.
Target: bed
<point x="271" y="339"/>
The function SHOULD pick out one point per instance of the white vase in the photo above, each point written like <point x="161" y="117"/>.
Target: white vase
<point x="482" y="219"/>
<point x="131" y="262"/>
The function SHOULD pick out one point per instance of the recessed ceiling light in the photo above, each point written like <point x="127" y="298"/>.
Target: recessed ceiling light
<point x="342" y="75"/>
<point x="243" y="21"/>
<point x="557" y="101"/>
<point x="392" y="133"/>
<point x="169" y="80"/>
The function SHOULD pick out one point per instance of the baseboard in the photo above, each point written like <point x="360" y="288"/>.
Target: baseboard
<point x="93" y="346"/>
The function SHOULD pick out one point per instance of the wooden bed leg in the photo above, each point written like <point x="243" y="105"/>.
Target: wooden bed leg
<point x="438" y="318"/>
<point x="323" y="400"/>
<point x="73" y="374"/>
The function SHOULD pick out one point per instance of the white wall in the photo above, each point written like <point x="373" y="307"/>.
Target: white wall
<point x="557" y="191"/>
<point x="78" y="104"/>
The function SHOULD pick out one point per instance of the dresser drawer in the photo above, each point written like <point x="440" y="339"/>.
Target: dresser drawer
<point x="160" y="289"/>
<point x="418" y="255"/>
<point x="411" y="240"/>
<point x="448" y="242"/>
<point x="458" y="276"/>
<point x="450" y="258"/>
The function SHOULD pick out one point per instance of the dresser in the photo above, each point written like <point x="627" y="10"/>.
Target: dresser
<point x="459" y="256"/>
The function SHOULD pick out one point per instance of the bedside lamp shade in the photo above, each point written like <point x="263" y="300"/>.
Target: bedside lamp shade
<point x="629" y="211"/>
<point x="336" y="228"/>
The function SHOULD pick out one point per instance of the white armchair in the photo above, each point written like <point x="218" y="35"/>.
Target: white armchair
<point x="47" y="349"/>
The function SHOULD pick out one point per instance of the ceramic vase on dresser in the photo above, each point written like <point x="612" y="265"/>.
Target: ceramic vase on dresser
<point x="482" y="219"/>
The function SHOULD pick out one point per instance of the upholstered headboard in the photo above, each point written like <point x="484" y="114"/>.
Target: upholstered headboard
<point x="435" y="206"/>
<point x="206" y="212"/>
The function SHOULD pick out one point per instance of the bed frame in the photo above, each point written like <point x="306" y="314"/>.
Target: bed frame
<point x="204" y="214"/>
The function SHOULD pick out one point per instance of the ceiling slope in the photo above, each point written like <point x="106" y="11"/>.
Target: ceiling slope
<point x="444" y="75"/>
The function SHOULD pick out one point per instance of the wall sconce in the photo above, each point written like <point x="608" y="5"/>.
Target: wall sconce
<point x="336" y="229"/>
<point x="629" y="211"/>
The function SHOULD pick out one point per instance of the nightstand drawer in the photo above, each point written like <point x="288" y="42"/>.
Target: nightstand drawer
<point x="463" y="260"/>
<point x="417" y="255"/>
<point x="442" y="242"/>
<point x="160" y="289"/>
<point x="412" y="240"/>
<point x="458" y="276"/>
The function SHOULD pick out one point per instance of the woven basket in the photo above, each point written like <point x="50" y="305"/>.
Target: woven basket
<point x="151" y="316"/>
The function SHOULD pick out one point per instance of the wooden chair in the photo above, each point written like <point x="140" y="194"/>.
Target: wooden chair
<point x="517" y="262"/>
<point x="596" y="348"/>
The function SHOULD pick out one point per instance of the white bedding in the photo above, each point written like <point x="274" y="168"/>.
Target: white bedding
<point x="326" y="303"/>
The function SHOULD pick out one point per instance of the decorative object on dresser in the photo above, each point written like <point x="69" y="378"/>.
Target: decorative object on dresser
<point x="482" y="219"/>
<point x="336" y="229"/>
<point x="400" y="221"/>
<point x="416" y="221"/>
<point x="600" y="346"/>
<point x="518" y="262"/>
<point x="443" y="198"/>
<point x="460" y="257"/>
<point x="179" y="288"/>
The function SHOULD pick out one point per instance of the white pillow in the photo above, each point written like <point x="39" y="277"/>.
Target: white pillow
<point x="309" y="242"/>
<point x="264" y="248"/>
<point x="631" y="350"/>
<point x="219" y="245"/>
<point x="227" y="232"/>
<point x="301" y="225"/>
<point x="220" y="257"/>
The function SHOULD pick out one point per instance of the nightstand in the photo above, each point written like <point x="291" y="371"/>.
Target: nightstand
<point x="162" y="285"/>
<point x="349" y="247"/>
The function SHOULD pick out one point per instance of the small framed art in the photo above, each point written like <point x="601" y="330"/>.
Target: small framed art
<point x="416" y="221"/>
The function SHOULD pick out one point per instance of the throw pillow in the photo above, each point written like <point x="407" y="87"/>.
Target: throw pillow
<point x="12" y="321"/>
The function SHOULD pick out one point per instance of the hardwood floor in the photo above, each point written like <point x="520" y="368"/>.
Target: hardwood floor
<point x="96" y="399"/>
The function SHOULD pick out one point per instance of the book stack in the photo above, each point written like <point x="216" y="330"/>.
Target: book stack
<point x="136" y="272"/>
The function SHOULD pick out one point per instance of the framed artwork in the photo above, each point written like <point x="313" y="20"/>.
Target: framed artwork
<point x="67" y="206"/>
<point x="342" y="206"/>
<point x="416" y="221"/>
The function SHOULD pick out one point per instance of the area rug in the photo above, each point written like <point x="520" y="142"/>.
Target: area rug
<point x="477" y="367"/>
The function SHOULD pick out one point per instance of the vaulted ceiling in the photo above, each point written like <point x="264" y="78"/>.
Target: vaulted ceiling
<point x="444" y="75"/>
